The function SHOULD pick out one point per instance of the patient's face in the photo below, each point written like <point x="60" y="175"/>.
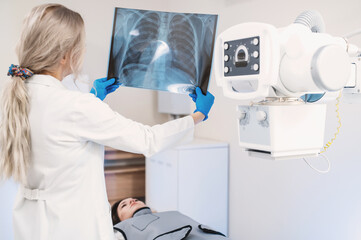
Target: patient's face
<point x="127" y="207"/>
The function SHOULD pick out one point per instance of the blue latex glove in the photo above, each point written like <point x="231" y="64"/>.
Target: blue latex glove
<point x="203" y="102"/>
<point x="102" y="87"/>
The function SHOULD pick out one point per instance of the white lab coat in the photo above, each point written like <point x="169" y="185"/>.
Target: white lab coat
<point x="65" y="197"/>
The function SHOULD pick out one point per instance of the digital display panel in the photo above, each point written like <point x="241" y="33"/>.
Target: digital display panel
<point x="162" y="50"/>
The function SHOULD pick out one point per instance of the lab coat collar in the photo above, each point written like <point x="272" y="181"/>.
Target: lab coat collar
<point x="45" y="80"/>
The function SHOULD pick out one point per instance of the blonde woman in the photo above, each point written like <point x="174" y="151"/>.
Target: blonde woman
<point x="51" y="139"/>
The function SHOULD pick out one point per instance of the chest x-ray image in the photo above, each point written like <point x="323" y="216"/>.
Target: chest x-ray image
<point x="162" y="50"/>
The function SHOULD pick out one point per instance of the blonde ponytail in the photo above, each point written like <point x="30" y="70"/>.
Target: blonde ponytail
<point x="15" y="131"/>
<point x="50" y="32"/>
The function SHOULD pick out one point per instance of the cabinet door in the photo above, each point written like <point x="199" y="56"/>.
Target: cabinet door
<point x="161" y="181"/>
<point x="203" y="186"/>
<point x="8" y="190"/>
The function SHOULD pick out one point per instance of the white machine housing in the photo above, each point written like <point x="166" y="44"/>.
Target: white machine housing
<point x="258" y="62"/>
<point x="282" y="131"/>
<point x="288" y="62"/>
<point x="352" y="90"/>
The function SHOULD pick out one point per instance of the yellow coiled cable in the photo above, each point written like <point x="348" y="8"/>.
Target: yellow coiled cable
<point x="339" y="124"/>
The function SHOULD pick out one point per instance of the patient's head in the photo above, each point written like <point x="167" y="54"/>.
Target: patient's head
<point x="124" y="209"/>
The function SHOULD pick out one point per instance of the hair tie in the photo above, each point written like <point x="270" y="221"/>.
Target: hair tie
<point x="17" y="71"/>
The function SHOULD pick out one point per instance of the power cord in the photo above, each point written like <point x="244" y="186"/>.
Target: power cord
<point x="317" y="170"/>
<point x="329" y="143"/>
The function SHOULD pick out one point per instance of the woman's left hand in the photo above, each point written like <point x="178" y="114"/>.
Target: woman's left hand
<point x="103" y="86"/>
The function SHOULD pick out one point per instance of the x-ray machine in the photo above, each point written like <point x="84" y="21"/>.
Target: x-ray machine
<point x="282" y="71"/>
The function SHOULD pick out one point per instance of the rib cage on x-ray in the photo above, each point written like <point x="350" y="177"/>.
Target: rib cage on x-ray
<point x="140" y="52"/>
<point x="161" y="50"/>
<point x="147" y="28"/>
<point x="182" y="39"/>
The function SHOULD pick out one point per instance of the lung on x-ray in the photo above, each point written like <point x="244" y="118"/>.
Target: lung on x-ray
<point x="162" y="50"/>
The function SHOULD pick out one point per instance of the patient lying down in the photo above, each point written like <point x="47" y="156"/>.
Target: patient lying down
<point x="133" y="220"/>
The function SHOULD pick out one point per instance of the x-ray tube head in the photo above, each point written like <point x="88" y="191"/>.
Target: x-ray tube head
<point x="286" y="62"/>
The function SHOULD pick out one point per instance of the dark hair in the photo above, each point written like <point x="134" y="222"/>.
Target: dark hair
<point x="115" y="216"/>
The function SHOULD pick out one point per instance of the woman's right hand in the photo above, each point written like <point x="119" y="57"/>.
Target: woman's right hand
<point x="203" y="102"/>
<point x="103" y="86"/>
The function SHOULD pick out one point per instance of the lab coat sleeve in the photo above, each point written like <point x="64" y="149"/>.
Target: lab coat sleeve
<point x="95" y="121"/>
<point x="118" y="236"/>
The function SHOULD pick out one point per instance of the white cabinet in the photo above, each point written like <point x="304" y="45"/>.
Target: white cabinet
<point x="192" y="179"/>
<point x="8" y="190"/>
